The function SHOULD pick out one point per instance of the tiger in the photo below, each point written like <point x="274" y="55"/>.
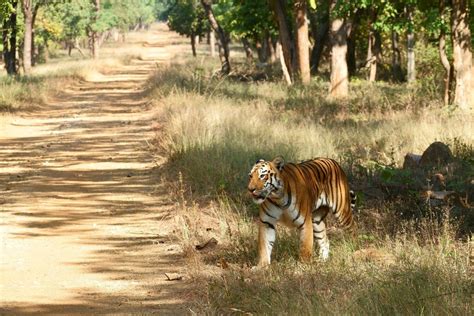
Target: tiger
<point x="300" y="195"/>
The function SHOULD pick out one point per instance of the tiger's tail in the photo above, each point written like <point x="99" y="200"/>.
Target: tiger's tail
<point x="353" y="197"/>
<point x="353" y="226"/>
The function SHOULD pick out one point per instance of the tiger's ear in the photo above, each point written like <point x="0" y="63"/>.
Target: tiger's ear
<point x="279" y="162"/>
<point x="259" y="160"/>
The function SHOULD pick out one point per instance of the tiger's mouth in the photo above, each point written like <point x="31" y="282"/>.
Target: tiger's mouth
<point x="259" y="197"/>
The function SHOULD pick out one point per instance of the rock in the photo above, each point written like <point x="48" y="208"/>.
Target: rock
<point x="438" y="182"/>
<point x="437" y="153"/>
<point x="173" y="276"/>
<point x="211" y="243"/>
<point x="411" y="161"/>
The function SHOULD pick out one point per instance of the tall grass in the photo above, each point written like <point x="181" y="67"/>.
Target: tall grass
<point x="212" y="131"/>
<point x="215" y="128"/>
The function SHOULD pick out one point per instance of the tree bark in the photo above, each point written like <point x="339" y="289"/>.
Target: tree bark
<point x="9" y="41"/>
<point x="374" y="49"/>
<point x="351" y="49"/>
<point x="271" y="48"/>
<point x="262" y="57"/>
<point x="339" y="86"/>
<point x="94" y="34"/>
<point x="223" y="38"/>
<point x="397" y="72"/>
<point x="320" y="33"/>
<point x="28" y="16"/>
<point x="212" y="43"/>
<point x="302" y="42"/>
<point x="411" y="71"/>
<point x="193" y="44"/>
<point x="34" y="54"/>
<point x="248" y="49"/>
<point x="447" y="65"/>
<point x="286" y="74"/>
<point x="462" y="55"/>
<point x="284" y="34"/>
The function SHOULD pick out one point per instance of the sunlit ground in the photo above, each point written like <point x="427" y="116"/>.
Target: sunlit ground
<point x="84" y="221"/>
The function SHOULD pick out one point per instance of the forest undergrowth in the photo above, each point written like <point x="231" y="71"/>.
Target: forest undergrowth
<point x="412" y="255"/>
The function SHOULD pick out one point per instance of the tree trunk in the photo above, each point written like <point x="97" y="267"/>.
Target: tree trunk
<point x="411" y="74"/>
<point x="248" y="49"/>
<point x="339" y="86"/>
<point x="34" y="53"/>
<point x="93" y="34"/>
<point x="77" y="46"/>
<point x="193" y="44"/>
<point x="271" y="48"/>
<point x="212" y="43"/>
<point x="284" y="34"/>
<point x="447" y="65"/>
<point x="351" y="47"/>
<point x="374" y="49"/>
<point x="286" y="74"/>
<point x="9" y="41"/>
<point x="262" y="57"/>
<point x="320" y="33"/>
<point x="223" y="38"/>
<point x="462" y="55"/>
<point x="302" y="41"/>
<point x="397" y="72"/>
<point x="376" y="55"/>
<point x="28" y="16"/>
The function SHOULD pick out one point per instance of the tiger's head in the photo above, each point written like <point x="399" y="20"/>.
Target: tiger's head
<point x="265" y="180"/>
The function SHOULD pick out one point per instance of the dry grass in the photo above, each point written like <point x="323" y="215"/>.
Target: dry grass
<point x="407" y="258"/>
<point x="30" y="93"/>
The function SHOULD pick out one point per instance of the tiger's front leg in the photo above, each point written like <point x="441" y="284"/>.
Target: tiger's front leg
<point x="267" y="234"/>
<point x="306" y="240"/>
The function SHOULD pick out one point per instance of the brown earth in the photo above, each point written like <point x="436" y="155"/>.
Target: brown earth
<point x="86" y="225"/>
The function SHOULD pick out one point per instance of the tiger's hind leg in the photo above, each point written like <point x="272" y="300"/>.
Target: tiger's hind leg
<point x="319" y="231"/>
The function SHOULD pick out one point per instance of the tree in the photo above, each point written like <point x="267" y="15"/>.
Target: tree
<point x="443" y="55"/>
<point x="284" y="34"/>
<point x="462" y="55"/>
<point x="76" y="17"/>
<point x="188" y="18"/>
<point x="27" y="8"/>
<point x="319" y="31"/>
<point x="253" y="23"/>
<point x="339" y="85"/>
<point x="93" y="30"/>
<point x="411" y="70"/>
<point x="8" y="17"/>
<point x="302" y="41"/>
<point x="223" y="37"/>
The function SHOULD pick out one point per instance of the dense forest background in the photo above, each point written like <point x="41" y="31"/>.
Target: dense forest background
<point x="395" y="41"/>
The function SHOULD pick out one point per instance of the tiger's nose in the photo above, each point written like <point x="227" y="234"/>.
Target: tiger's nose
<point x="251" y="190"/>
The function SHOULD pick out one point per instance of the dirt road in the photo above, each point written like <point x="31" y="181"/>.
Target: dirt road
<point x="85" y="224"/>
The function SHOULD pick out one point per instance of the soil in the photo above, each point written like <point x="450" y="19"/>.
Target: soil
<point x="86" y="224"/>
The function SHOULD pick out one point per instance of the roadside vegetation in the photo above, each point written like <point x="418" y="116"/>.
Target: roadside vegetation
<point x="383" y="79"/>
<point x="31" y="92"/>
<point x="411" y="255"/>
<point x="46" y="44"/>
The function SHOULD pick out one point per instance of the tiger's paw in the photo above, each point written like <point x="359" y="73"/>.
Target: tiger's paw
<point x="324" y="254"/>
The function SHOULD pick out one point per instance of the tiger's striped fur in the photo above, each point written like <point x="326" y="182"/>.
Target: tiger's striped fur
<point x="300" y="195"/>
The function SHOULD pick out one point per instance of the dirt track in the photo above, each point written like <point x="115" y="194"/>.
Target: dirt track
<point x="85" y="222"/>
